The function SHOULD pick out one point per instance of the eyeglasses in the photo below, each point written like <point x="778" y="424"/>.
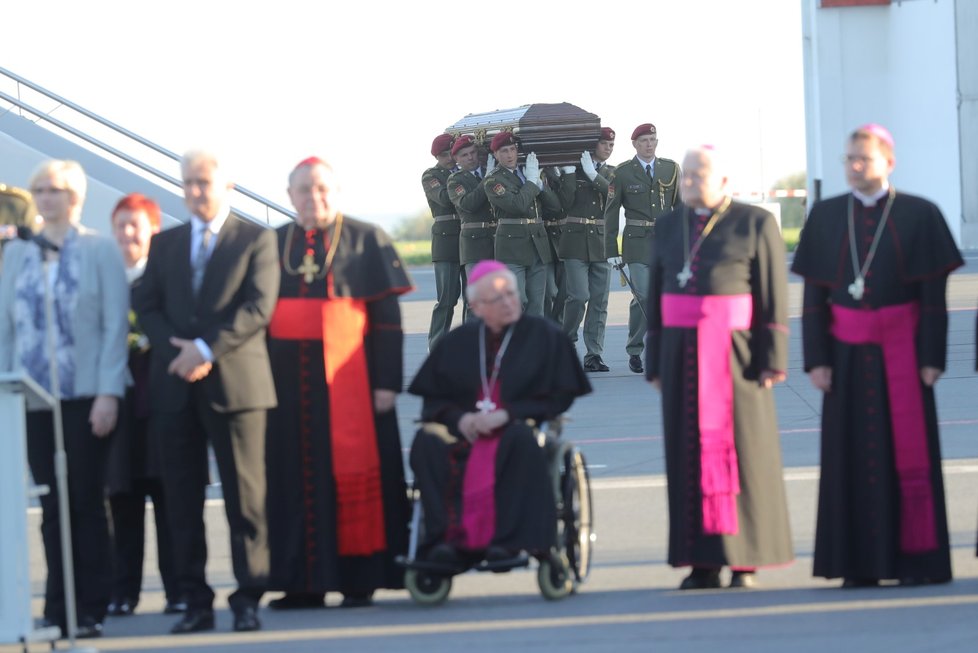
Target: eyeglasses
<point x="48" y="191"/>
<point x="852" y="159"/>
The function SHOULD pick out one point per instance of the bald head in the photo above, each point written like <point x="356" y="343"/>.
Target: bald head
<point x="705" y="181"/>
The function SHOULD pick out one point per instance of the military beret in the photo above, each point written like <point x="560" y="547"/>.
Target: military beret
<point x="441" y="143"/>
<point x="608" y="134"/>
<point x="460" y="142"/>
<point x="502" y="139"/>
<point x="643" y="129"/>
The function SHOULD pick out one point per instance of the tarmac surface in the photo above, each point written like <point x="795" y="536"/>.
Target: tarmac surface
<point x="629" y="602"/>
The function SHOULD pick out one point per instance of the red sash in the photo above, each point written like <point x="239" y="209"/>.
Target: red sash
<point x="340" y="324"/>
<point x="894" y="329"/>
<point x="714" y="317"/>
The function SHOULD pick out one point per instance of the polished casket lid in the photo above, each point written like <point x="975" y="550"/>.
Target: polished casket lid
<point x="558" y="133"/>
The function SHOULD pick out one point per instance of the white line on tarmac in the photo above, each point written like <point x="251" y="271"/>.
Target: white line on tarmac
<point x="574" y="621"/>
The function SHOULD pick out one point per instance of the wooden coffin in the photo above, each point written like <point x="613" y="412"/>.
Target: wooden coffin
<point x="558" y="133"/>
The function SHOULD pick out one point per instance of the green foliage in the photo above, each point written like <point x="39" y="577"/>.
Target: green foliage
<point x="792" y="208"/>
<point x="414" y="227"/>
<point x="414" y="252"/>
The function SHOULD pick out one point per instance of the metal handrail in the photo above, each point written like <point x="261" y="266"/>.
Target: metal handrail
<point x="267" y="203"/>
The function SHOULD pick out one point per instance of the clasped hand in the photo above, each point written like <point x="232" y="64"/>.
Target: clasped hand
<point x="473" y="425"/>
<point x="189" y="364"/>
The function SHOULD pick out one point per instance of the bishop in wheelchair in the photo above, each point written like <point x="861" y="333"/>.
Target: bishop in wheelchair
<point x="486" y="485"/>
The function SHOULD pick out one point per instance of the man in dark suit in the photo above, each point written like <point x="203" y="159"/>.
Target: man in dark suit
<point x="205" y="299"/>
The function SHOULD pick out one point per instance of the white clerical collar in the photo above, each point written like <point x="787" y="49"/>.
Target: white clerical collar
<point x="871" y="200"/>
<point x="136" y="271"/>
<point x="214" y="226"/>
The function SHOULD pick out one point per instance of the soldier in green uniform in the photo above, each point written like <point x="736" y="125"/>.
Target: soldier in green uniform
<point x="555" y="295"/>
<point x="647" y="187"/>
<point x="449" y="277"/>
<point x="521" y="239"/>
<point x="583" y="194"/>
<point x="467" y="193"/>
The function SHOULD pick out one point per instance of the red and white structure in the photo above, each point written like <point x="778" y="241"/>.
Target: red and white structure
<point x="911" y="65"/>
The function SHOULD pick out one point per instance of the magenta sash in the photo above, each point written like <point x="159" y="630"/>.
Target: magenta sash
<point x="479" y="489"/>
<point x="894" y="329"/>
<point x="714" y="317"/>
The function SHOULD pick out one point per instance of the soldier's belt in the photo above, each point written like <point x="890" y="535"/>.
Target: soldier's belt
<point x="639" y="223"/>
<point x="574" y="220"/>
<point x="477" y="225"/>
<point x="445" y="218"/>
<point x="519" y="221"/>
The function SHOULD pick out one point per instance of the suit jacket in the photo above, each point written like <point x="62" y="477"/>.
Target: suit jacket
<point x="236" y="300"/>
<point x="100" y="319"/>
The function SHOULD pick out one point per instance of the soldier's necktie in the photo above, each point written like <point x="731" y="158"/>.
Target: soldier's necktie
<point x="648" y="170"/>
<point x="476" y="173"/>
<point x="200" y="261"/>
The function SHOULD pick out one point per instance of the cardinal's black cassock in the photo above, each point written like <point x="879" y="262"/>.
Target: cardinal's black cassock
<point x="337" y="507"/>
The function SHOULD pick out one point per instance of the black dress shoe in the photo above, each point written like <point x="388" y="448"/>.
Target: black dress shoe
<point x="194" y="621"/>
<point x="853" y="583"/>
<point x="121" y="607"/>
<point x="357" y="600"/>
<point x="443" y="553"/>
<point x="88" y="627"/>
<point x="635" y="364"/>
<point x="246" y="619"/>
<point x="701" y="578"/>
<point x="498" y="554"/>
<point x="595" y="364"/>
<point x="915" y="581"/>
<point x="298" y="601"/>
<point x="175" y="607"/>
<point x="743" y="579"/>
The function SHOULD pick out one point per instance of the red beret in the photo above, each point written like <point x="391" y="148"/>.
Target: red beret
<point x="501" y="139"/>
<point x="441" y="143"/>
<point x="607" y="134"/>
<point x="643" y="129"/>
<point x="460" y="142"/>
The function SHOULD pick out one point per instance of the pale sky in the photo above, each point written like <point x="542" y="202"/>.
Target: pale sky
<point x="368" y="84"/>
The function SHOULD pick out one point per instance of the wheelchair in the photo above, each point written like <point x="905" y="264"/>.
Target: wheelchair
<point x="559" y="571"/>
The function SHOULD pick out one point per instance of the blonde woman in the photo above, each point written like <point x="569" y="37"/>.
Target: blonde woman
<point x="90" y="302"/>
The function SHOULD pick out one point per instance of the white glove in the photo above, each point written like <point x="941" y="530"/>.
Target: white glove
<point x="490" y="164"/>
<point x="587" y="164"/>
<point x="568" y="170"/>
<point x="532" y="170"/>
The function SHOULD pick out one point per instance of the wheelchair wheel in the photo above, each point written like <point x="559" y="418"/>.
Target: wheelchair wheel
<point x="555" y="577"/>
<point x="427" y="588"/>
<point x="576" y="534"/>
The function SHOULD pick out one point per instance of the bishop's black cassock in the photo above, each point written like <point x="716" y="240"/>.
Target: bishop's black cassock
<point x="875" y="522"/>
<point x="742" y="520"/>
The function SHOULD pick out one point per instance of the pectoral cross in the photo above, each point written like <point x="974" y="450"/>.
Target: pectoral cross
<point x="309" y="268"/>
<point x="857" y="288"/>
<point x="684" y="276"/>
<point x="485" y="405"/>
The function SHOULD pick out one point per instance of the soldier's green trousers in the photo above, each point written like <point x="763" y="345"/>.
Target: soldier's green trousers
<point x="449" y="286"/>
<point x="587" y="301"/>
<point x="637" y="325"/>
